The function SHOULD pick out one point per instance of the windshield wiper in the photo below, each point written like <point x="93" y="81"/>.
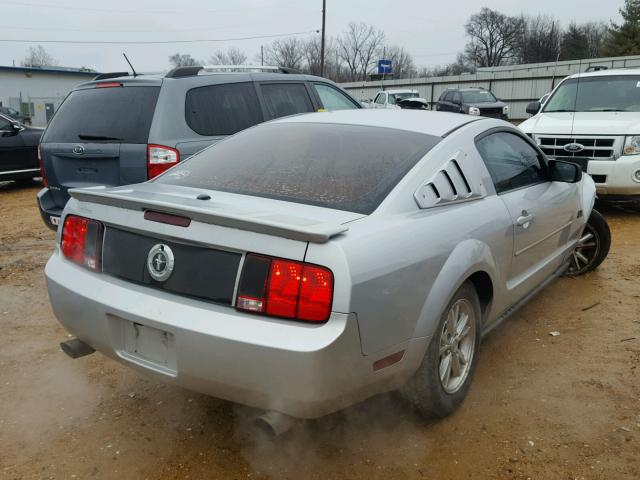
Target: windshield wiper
<point x="607" y="110"/>
<point x="83" y="136"/>
<point x="561" y="110"/>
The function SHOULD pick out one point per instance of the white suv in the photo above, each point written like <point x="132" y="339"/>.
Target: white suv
<point x="593" y="119"/>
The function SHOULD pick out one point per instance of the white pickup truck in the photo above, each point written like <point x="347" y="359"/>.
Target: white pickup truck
<point x="397" y="99"/>
<point x="593" y="119"/>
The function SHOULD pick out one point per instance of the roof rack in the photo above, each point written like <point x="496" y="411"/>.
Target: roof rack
<point x="104" y="76"/>
<point x="596" y="68"/>
<point x="191" y="71"/>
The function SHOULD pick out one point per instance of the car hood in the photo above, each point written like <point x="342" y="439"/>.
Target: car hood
<point x="583" y="123"/>
<point x="484" y="105"/>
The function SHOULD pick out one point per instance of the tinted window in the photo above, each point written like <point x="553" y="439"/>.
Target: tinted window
<point x="345" y="167"/>
<point x="113" y="115"/>
<point x="332" y="98"/>
<point x="456" y="98"/>
<point x="283" y="99"/>
<point x="222" y="109"/>
<point x="448" y="97"/>
<point x="511" y="161"/>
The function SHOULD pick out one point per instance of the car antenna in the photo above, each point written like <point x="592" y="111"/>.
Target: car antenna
<point x="132" y="69"/>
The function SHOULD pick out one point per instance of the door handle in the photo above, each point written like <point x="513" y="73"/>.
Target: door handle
<point x="524" y="219"/>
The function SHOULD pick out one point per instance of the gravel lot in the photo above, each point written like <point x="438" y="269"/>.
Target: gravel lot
<point x="541" y="407"/>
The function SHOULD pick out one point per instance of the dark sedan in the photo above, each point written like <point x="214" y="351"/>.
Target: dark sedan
<point x="18" y="150"/>
<point x="472" y="101"/>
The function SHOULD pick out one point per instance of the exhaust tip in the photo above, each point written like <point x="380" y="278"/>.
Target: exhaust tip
<point x="274" y="424"/>
<point x="76" y="348"/>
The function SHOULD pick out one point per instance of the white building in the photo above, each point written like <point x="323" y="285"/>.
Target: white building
<point x="38" y="91"/>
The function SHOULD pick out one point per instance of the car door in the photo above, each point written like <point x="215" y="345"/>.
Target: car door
<point x="280" y="99"/>
<point x="542" y="211"/>
<point x="456" y="102"/>
<point x="446" y="102"/>
<point x="12" y="148"/>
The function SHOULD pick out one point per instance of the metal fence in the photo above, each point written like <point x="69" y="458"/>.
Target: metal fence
<point x="517" y="85"/>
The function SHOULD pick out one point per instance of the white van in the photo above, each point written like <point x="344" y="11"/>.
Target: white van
<point x="593" y="119"/>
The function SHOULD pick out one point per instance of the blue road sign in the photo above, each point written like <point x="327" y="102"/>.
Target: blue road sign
<point x="384" y="67"/>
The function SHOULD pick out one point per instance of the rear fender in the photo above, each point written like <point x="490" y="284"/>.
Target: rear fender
<point x="469" y="257"/>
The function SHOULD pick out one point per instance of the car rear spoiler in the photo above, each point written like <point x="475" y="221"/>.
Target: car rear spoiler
<point x="269" y="223"/>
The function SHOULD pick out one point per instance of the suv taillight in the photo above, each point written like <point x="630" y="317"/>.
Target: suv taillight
<point x="160" y="159"/>
<point x="82" y="241"/>
<point x="43" y="174"/>
<point x="285" y="288"/>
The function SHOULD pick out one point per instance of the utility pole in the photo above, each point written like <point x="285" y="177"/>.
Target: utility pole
<point x="262" y="55"/>
<point x="324" y="14"/>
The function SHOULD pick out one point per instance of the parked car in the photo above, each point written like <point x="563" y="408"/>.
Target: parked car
<point x="18" y="150"/>
<point x="472" y="101"/>
<point x="337" y="256"/>
<point x="397" y="99"/>
<point x="16" y="115"/>
<point x="592" y="119"/>
<point x="121" y="129"/>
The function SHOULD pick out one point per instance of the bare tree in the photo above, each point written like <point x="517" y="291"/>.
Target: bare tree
<point x="38" y="57"/>
<point x="183" y="60"/>
<point x="597" y="34"/>
<point x="231" y="56"/>
<point x="460" y="66"/>
<point x="401" y="61"/>
<point x="540" y="40"/>
<point x="359" y="47"/>
<point x="494" y="38"/>
<point x="288" y="52"/>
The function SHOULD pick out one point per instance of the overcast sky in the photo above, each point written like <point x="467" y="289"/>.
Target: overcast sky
<point x="432" y="31"/>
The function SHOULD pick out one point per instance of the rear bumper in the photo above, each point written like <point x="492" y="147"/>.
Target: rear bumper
<point x="49" y="211"/>
<point x="298" y="369"/>
<point x="615" y="178"/>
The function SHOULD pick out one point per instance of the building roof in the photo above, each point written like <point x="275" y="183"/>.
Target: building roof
<point x="57" y="70"/>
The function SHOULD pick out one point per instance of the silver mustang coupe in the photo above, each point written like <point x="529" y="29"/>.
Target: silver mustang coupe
<point x="314" y="261"/>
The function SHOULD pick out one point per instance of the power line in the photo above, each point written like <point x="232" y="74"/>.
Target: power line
<point x="146" y="12"/>
<point x="157" y="42"/>
<point x="93" y="30"/>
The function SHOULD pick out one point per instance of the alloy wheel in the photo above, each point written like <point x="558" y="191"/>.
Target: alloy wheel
<point x="586" y="251"/>
<point x="457" y="345"/>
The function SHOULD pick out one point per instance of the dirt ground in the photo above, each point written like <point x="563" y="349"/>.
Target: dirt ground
<point x="541" y="407"/>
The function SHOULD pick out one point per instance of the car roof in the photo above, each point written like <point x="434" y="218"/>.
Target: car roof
<point x="427" y="122"/>
<point x="158" y="78"/>
<point x="606" y="73"/>
<point x="400" y="90"/>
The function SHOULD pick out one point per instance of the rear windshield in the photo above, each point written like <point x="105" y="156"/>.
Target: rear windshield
<point x="344" y="167"/>
<point x="110" y="115"/>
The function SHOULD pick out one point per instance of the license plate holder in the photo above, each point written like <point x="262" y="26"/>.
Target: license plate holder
<point x="150" y="347"/>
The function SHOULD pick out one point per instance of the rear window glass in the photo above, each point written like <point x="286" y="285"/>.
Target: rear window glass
<point x="344" y="167"/>
<point x="112" y="115"/>
<point x="222" y="109"/>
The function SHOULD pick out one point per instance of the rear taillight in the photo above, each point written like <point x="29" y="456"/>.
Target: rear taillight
<point x="285" y="288"/>
<point x="82" y="241"/>
<point x="43" y="174"/>
<point x="160" y="159"/>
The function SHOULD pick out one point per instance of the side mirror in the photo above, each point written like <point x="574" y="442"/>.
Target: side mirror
<point x="567" y="172"/>
<point x="533" y="108"/>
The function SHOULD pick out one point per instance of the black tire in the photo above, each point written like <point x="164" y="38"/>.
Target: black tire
<point x="593" y="246"/>
<point x="425" y="391"/>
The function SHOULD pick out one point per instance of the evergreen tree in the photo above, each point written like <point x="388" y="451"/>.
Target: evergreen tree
<point x="574" y="44"/>
<point x="625" y="39"/>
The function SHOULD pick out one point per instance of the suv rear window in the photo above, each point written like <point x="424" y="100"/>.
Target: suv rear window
<point x="222" y="109"/>
<point x="112" y="115"/>
<point x="344" y="167"/>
